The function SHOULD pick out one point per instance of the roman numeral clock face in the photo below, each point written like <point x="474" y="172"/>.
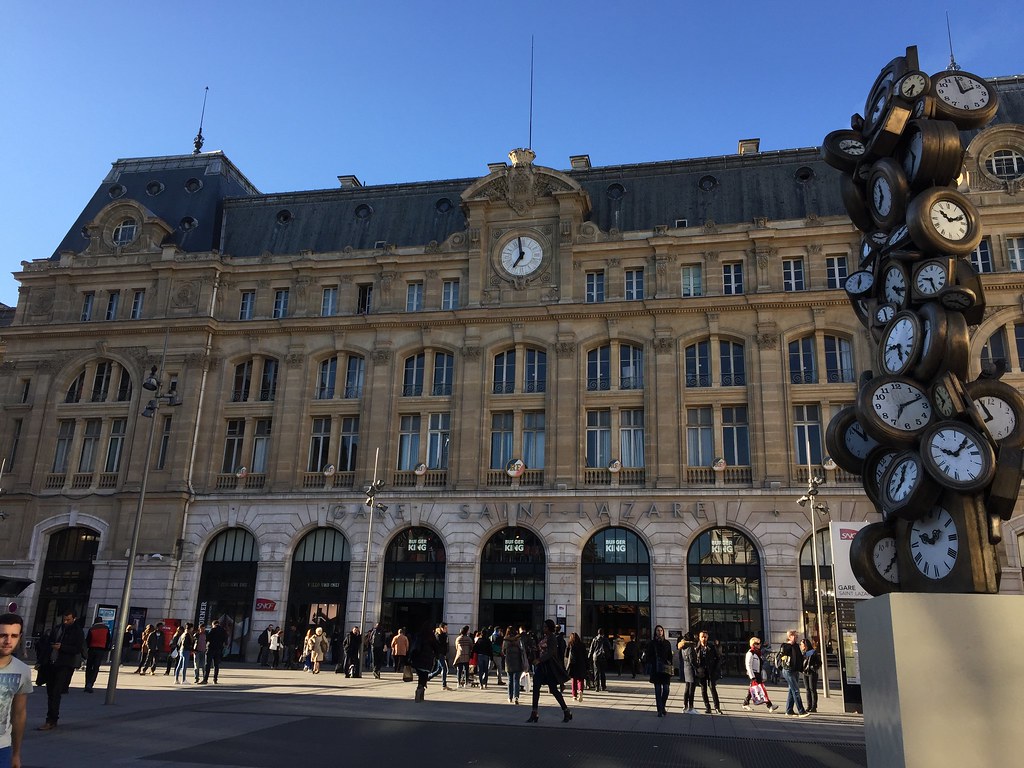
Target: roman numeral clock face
<point x="934" y="544"/>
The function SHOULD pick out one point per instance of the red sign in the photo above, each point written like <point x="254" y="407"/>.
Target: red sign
<point x="845" y="534"/>
<point x="262" y="604"/>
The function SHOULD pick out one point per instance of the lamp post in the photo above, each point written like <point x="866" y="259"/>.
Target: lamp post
<point x="152" y="384"/>
<point x="810" y="499"/>
<point x="372" y="503"/>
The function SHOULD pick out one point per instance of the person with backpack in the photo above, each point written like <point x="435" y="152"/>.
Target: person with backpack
<point x="600" y="653"/>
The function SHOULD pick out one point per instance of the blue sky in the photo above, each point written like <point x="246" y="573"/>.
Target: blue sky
<point x="400" y="90"/>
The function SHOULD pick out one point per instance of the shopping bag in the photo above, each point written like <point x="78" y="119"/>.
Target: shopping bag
<point x="407" y="673"/>
<point x="524" y="682"/>
<point x="758" y="695"/>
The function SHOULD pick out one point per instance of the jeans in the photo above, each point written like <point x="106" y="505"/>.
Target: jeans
<point x="92" y="666"/>
<point x="689" y="692"/>
<point x="212" y="660"/>
<point x="513" y="686"/>
<point x="600" y="670"/>
<point x="184" y="662"/>
<point x="811" y="686"/>
<point x="483" y="668"/>
<point x="462" y="670"/>
<point x="441" y="668"/>
<point x="704" y="683"/>
<point x="57" y="681"/>
<point x="200" y="663"/>
<point x="661" y="695"/>
<point x="793" y="696"/>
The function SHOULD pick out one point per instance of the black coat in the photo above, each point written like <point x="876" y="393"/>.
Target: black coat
<point x="71" y="640"/>
<point x="655" y="652"/>
<point x="708" y="661"/>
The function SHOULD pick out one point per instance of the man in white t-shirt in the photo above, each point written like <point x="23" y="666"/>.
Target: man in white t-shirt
<point x="15" y="686"/>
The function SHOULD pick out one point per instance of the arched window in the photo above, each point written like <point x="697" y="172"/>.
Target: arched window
<point x="318" y="588"/>
<point x="124" y="232"/>
<point x="414" y="574"/>
<point x="838" y="360"/>
<point x="828" y="633"/>
<point x="67" y="576"/>
<point x="505" y="372"/>
<point x="616" y="584"/>
<point x="631" y="367"/>
<point x="994" y="352"/>
<point x="803" y="368"/>
<point x="1005" y="164"/>
<point x="599" y="375"/>
<point x="733" y="365"/>
<point x="444" y="374"/>
<point x="227" y="586"/>
<point x="698" y="364"/>
<point x="512" y="579"/>
<point x="412" y="378"/>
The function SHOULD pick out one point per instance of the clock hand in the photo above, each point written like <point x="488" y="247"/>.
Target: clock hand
<point x="522" y="254"/>
<point x="902" y="406"/>
<point x="963" y="445"/>
<point x="890" y="566"/>
<point x="930" y="280"/>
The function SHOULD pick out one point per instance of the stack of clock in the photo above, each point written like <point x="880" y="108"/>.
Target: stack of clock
<point x="940" y="457"/>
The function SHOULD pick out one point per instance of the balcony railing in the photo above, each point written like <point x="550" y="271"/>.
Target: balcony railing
<point x="81" y="480"/>
<point x="498" y="477"/>
<point x="734" y="380"/>
<point x="312" y="480"/>
<point x="255" y="481"/>
<point x="107" y="480"/>
<point x="532" y="477"/>
<point x="632" y="476"/>
<point x="435" y="478"/>
<point x="737" y="476"/>
<point x="703" y="380"/>
<point x="596" y="476"/>
<point x="54" y="480"/>
<point x="700" y="476"/>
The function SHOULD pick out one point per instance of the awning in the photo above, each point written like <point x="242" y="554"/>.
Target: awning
<point x="12" y="585"/>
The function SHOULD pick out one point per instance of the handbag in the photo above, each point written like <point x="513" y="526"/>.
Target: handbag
<point x="407" y="673"/>
<point x="174" y="653"/>
<point x="524" y="680"/>
<point x="758" y="695"/>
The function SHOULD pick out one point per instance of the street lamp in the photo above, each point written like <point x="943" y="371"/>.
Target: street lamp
<point x="810" y="500"/>
<point x="152" y="384"/>
<point x="372" y="503"/>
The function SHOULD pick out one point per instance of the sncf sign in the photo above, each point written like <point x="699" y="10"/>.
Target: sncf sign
<point x="262" y="604"/>
<point x="845" y="534"/>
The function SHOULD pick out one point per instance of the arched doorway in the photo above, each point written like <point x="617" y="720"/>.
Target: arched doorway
<point x="616" y="581"/>
<point x="319" y="582"/>
<point x="829" y="631"/>
<point x="724" y="593"/>
<point x="67" y="577"/>
<point x="227" y="586"/>
<point x="512" y="579"/>
<point x="414" y="569"/>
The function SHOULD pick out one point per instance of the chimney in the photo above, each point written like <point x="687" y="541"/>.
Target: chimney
<point x="749" y="147"/>
<point x="349" y="182"/>
<point x="579" y="162"/>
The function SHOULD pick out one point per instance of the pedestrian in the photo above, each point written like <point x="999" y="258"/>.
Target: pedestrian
<point x="812" y="664"/>
<point x="127" y="642"/>
<point x="708" y="669"/>
<point x="441" y="667"/>
<point x="318" y="649"/>
<point x="423" y="652"/>
<point x="353" y="645"/>
<point x="263" y="655"/>
<point x="463" y="652"/>
<point x="600" y="653"/>
<point x="792" y="666"/>
<point x="199" y="653"/>
<point x="618" y="653"/>
<point x="175" y="652"/>
<point x="154" y="645"/>
<point x="657" y="657"/>
<point x="755" y="666"/>
<point x="688" y="671"/>
<point x="290" y="638"/>
<point x="576" y="652"/>
<point x="144" y="650"/>
<point x="482" y="649"/>
<point x="515" y="664"/>
<point x="630" y="655"/>
<point x="496" y="642"/>
<point x="97" y="643"/>
<point x="377" y="641"/>
<point x="274" y="648"/>
<point x="400" y="648"/>
<point x="548" y="670"/>
<point x="307" y="649"/>
<point x="216" y="640"/>
<point x="63" y="653"/>
<point x="186" y="645"/>
<point x="15" y="686"/>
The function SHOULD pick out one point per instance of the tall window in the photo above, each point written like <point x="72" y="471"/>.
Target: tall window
<point x="329" y="301"/>
<point x="732" y="278"/>
<point x="355" y="376"/>
<point x="981" y="257"/>
<point x="631" y="367"/>
<point x="414" y="297"/>
<point x="349" y="444"/>
<point x="261" y="446"/>
<point x="124" y="387"/>
<point x="802" y="366"/>
<point x="533" y="439"/>
<point x="15" y="441"/>
<point x="90" y="443"/>
<point x="88" y="300"/>
<point x="326" y="378"/>
<point x="698" y="364"/>
<point x="634" y="284"/>
<point x="792" y="274"/>
<point x="598" y="369"/>
<point x="693" y="283"/>
<point x="268" y="380"/>
<point x="835" y="271"/>
<point x="62" y="449"/>
<point x="319" y="444"/>
<point x="631" y="437"/>
<point x="1018" y="338"/>
<point x="599" y="438"/>
<point x="138" y="302"/>
<point x="1015" y="252"/>
<point x="536" y="373"/>
<point x="412" y="380"/>
<point x="699" y="439"/>
<point x="595" y="287"/>
<point x="444" y="374"/>
<point x="113" y="302"/>
<point x="732" y="362"/>
<point x="280" y="303"/>
<point x="243" y="381"/>
<point x="247" y="305"/>
<point x="165" y="444"/>
<point x="735" y="436"/>
<point x="807" y="430"/>
<point x="115" y="445"/>
<point x="101" y="382"/>
<point x="994" y="352"/>
<point x="438" y="431"/>
<point x="838" y="360"/>
<point x="74" y="393"/>
<point x="364" y="299"/>
<point x="408" y="442"/>
<point x="450" y="294"/>
<point x="233" y="439"/>
<point x="505" y="372"/>
<point x="501" y="439"/>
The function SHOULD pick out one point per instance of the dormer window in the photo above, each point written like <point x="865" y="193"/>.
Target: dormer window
<point x="124" y="232"/>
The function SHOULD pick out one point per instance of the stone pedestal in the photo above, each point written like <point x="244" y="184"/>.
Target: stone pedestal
<point x="943" y="680"/>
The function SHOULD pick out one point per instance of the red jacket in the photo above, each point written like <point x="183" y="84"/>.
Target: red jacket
<point x="98" y="637"/>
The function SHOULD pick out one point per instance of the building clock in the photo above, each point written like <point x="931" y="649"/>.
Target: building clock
<point x="522" y="256"/>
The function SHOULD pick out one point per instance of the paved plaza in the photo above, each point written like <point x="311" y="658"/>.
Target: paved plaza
<point x="265" y="718"/>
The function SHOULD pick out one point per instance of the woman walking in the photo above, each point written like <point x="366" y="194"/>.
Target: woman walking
<point x="482" y="649"/>
<point x="687" y="671"/>
<point x="463" y="653"/>
<point x="307" y="647"/>
<point x="657" y="657"/>
<point x="515" y="664"/>
<point x="753" y="661"/>
<point x="318" y="649"/>
<point x="144" y="650"/>
<point x="423" y="652"/>
<point x="576" y="652"/>
<point x="174" y="653"/>
<point x="548" y="670"/>
<point x="812" y="663"/>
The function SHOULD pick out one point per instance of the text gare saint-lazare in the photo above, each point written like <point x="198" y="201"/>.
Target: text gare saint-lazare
<point x="594" y="511"/>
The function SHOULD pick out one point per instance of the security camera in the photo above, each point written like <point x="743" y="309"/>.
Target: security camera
<point x="803" y="500"/>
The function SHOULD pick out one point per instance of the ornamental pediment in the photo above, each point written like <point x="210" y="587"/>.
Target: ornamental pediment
<point x="520" y="185"/>
<point x="125" y="227"/>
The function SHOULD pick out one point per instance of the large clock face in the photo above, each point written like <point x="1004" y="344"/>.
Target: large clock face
<point x="522" y="256"/>
<point x="962" y="91"/>
<point x="883" y="554"/>
<point x="934" y="543"/>
<point x="957" y="456"/>
<point x="949" y="220"/>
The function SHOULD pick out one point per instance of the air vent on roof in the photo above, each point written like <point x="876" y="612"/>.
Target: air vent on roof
<point x="681" y="223"/>
<point x="187" y="223"/>
<point x="803" y="174"/>
<point x="707" y="183"/>
<point x="154" y="188"/>
<point x="749" y="147"/>
<point x="579" y="162"/>
<point x="349" y="182"/>
<point x="115" y="191"/>
<point x="193" y="185"/>
<point x="616" y="191"/>
<point x="363" y="212"/>
<point x="380" y="245"/>
<point x="444" y="205"/>
<point x="284" y="216"/>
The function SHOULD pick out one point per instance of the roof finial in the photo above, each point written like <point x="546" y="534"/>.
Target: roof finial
<point x="198" y="141"/>
<point x="952" y="62"/>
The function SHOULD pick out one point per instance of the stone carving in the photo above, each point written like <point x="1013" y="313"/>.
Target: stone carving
<point x="767" y="341"/>
<point x="381" y="356"/>
<point x="565" y="348"/>
<point x="471" y="352"/>
<point x="663" y="345"/>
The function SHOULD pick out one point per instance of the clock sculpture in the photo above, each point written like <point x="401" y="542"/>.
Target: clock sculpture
<point x="940" y="456"/>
